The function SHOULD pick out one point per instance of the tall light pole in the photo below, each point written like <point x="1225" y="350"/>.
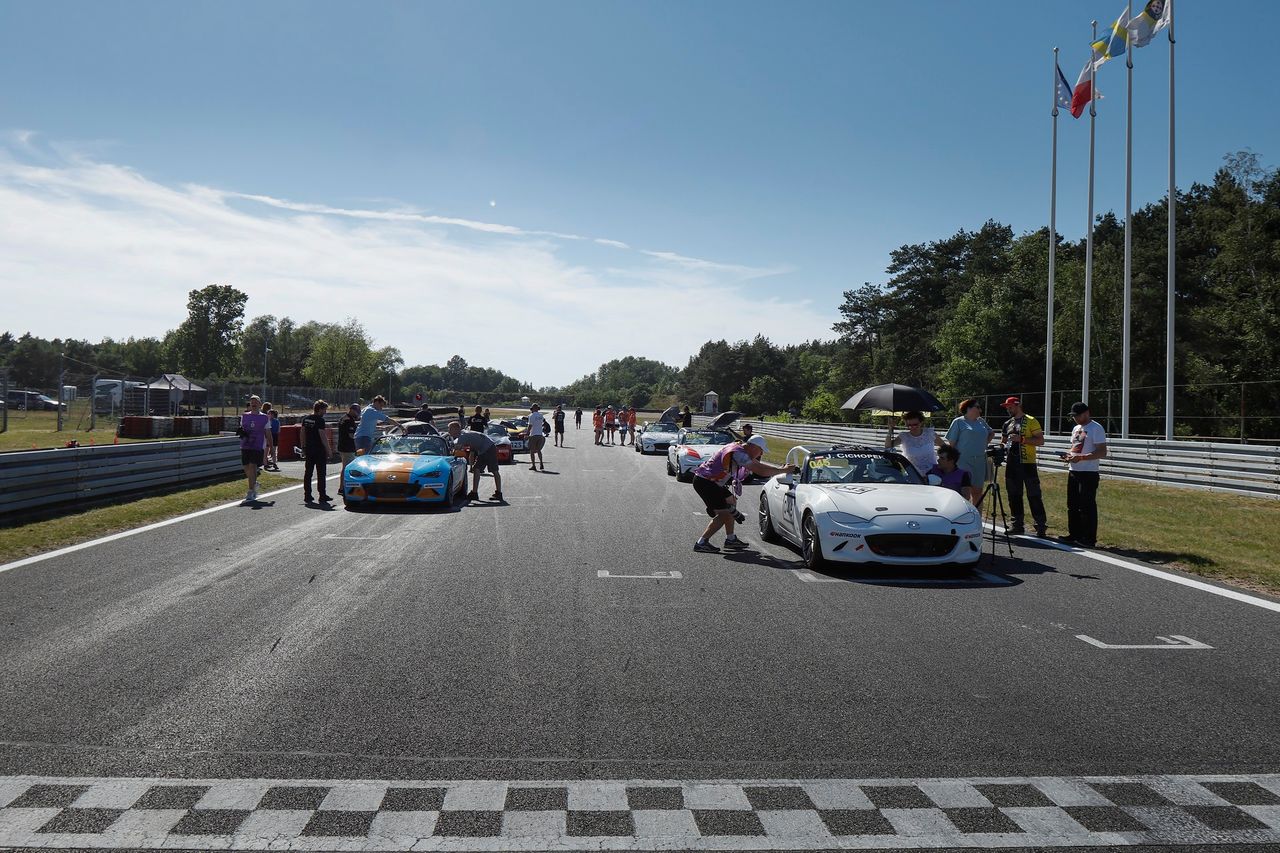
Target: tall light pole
<point x="265" y="351"/>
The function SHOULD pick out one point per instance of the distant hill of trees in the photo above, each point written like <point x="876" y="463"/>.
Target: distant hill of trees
<point x="961" y="315"/>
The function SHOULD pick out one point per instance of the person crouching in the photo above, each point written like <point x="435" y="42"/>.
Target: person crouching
<point x="711" y="479"/>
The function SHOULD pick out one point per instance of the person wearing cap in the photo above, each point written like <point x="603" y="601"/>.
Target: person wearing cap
<point x="1022" y="434"/>
<point x="537" y="437"/>
<point x="711" y="480"/>
<point x="1088" y="445"/>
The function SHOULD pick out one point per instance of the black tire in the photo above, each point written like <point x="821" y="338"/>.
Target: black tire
<point x="448" y="493"/>
<point x="767" y="531"/>
<point x="684" y="478"/>
<point x="671" y="472"/>
<point x="811" y="545"/>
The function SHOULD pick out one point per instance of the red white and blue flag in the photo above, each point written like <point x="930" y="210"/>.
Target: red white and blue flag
<point x="1080" y="96"/>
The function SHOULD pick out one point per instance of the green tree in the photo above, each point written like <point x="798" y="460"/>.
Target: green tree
<point x="205" y="344"/>
<point x="341" y="356"/>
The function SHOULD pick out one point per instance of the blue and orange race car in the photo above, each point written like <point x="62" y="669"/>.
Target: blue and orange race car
<point x="405" y="469"/>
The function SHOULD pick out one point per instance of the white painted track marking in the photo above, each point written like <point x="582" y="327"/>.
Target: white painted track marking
<point x="1264" y="603"/>
<point x="124" y="534"/>
<point x="371" y="538"/>
<point x="605" y="573"/>
<point x="1173" y="641"/>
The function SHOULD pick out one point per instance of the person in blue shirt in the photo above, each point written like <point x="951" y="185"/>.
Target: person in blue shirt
<point x="369" y="419"/>
<point x="970" y="435"/>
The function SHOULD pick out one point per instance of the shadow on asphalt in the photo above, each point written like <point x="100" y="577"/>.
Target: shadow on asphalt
<point x="408" y="509"/>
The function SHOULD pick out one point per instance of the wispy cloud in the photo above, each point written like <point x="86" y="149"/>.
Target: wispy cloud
<point x="91" y="249"/>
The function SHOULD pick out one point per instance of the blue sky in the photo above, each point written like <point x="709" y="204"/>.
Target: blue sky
<point x="765" y="152"/>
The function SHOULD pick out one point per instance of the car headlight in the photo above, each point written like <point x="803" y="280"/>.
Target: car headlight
<point x="968" y="517"/>
<point x="847" y="519"/>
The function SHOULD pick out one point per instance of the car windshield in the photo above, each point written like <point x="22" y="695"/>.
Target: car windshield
<point x="496" y="430"/>
<point x="663" y="426"/>
<point x="427" y="445"/>
<point x="708" y="437"/>
<point x="861" y="467"/>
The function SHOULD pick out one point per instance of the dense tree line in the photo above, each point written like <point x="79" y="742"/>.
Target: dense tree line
<point x="962" y="315"/>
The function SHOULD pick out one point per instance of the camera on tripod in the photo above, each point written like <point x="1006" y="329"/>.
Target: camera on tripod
<point x="997" y="453"/>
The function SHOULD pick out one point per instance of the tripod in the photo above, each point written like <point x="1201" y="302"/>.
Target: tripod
<point x="997" y="505"/>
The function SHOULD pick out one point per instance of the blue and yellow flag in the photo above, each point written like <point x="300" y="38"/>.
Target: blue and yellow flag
<point x="1113" y="44"/>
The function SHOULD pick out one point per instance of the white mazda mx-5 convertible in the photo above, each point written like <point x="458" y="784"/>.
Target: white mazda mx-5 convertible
<point x="867" y="505"/>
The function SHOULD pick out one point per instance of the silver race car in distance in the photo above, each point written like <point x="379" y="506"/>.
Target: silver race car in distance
<point x="867" y="505"/>
<point x="656" y="437"/>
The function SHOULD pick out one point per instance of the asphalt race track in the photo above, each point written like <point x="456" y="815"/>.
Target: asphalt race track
<point x="564" y="672"/>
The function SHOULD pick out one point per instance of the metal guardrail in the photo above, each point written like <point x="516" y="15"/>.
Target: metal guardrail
<point x="1242" y="469"/>
<point x="42" y="479"/>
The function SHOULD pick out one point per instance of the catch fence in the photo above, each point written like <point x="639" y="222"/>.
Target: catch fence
<point x="88" y="401"/>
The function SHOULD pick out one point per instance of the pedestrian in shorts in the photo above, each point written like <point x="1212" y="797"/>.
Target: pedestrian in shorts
<point x="347" y="439"/>
<point x="711" y="481"/>
<point x="557" y="419"/>
<point x="537" y="437"/>
<point x="255" y="441"/>
<point x="482" y="453"/>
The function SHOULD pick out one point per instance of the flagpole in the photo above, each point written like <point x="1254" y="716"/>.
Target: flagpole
<point x="1168" y="322"/>
<point x="1088" y="246"/>
<point x="1053" y="251"/>
<point x="1128" y="237"/>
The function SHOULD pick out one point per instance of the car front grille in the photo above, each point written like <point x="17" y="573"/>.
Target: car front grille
<point x="391" y="491"/>
<point x="912" y="544"/>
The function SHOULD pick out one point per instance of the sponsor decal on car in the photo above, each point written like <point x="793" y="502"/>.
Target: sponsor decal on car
<point x="845" y="535"/>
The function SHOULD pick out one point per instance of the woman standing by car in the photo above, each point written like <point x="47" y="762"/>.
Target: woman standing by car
<point x="970" y="435"/>
<point x="919" y="443"/>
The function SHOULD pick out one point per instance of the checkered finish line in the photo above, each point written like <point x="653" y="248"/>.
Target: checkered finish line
<point x="792" y="814"/>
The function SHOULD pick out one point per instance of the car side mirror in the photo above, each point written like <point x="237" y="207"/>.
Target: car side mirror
<point x="935" y="480"/>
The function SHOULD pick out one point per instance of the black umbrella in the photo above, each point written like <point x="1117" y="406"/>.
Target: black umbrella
<point x="723" y="420"/>
<point x="894" y="398"/>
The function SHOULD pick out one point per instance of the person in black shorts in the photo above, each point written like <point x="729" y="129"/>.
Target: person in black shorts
<point x="557" y="420"/>
<point x="347" y="439"/>
<point x="316" y="452"/>
<point x="482" y="454"/>
<point x="577" y="418"/>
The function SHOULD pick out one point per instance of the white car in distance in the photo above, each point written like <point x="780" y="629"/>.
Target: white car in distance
<point x="657" y="437"/>
<point x="692" y="447"/>
<point x="870" y="506"/>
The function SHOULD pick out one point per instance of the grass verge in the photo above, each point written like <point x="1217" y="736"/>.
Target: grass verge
<point x="1225" y="537"/>
<point x="37" y="537"/>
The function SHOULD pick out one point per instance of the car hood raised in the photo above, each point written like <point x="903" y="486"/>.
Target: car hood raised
<point x="873" y="499"/>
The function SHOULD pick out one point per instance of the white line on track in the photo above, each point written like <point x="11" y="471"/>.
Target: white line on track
<point x="124" y="534"/>
<point x="1232" y="594"/>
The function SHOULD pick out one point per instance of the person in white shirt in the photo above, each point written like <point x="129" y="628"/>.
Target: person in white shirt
<point x="1088" y="445"/>
<point x="919" y="443"/>
<point x="537" y="437"/>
